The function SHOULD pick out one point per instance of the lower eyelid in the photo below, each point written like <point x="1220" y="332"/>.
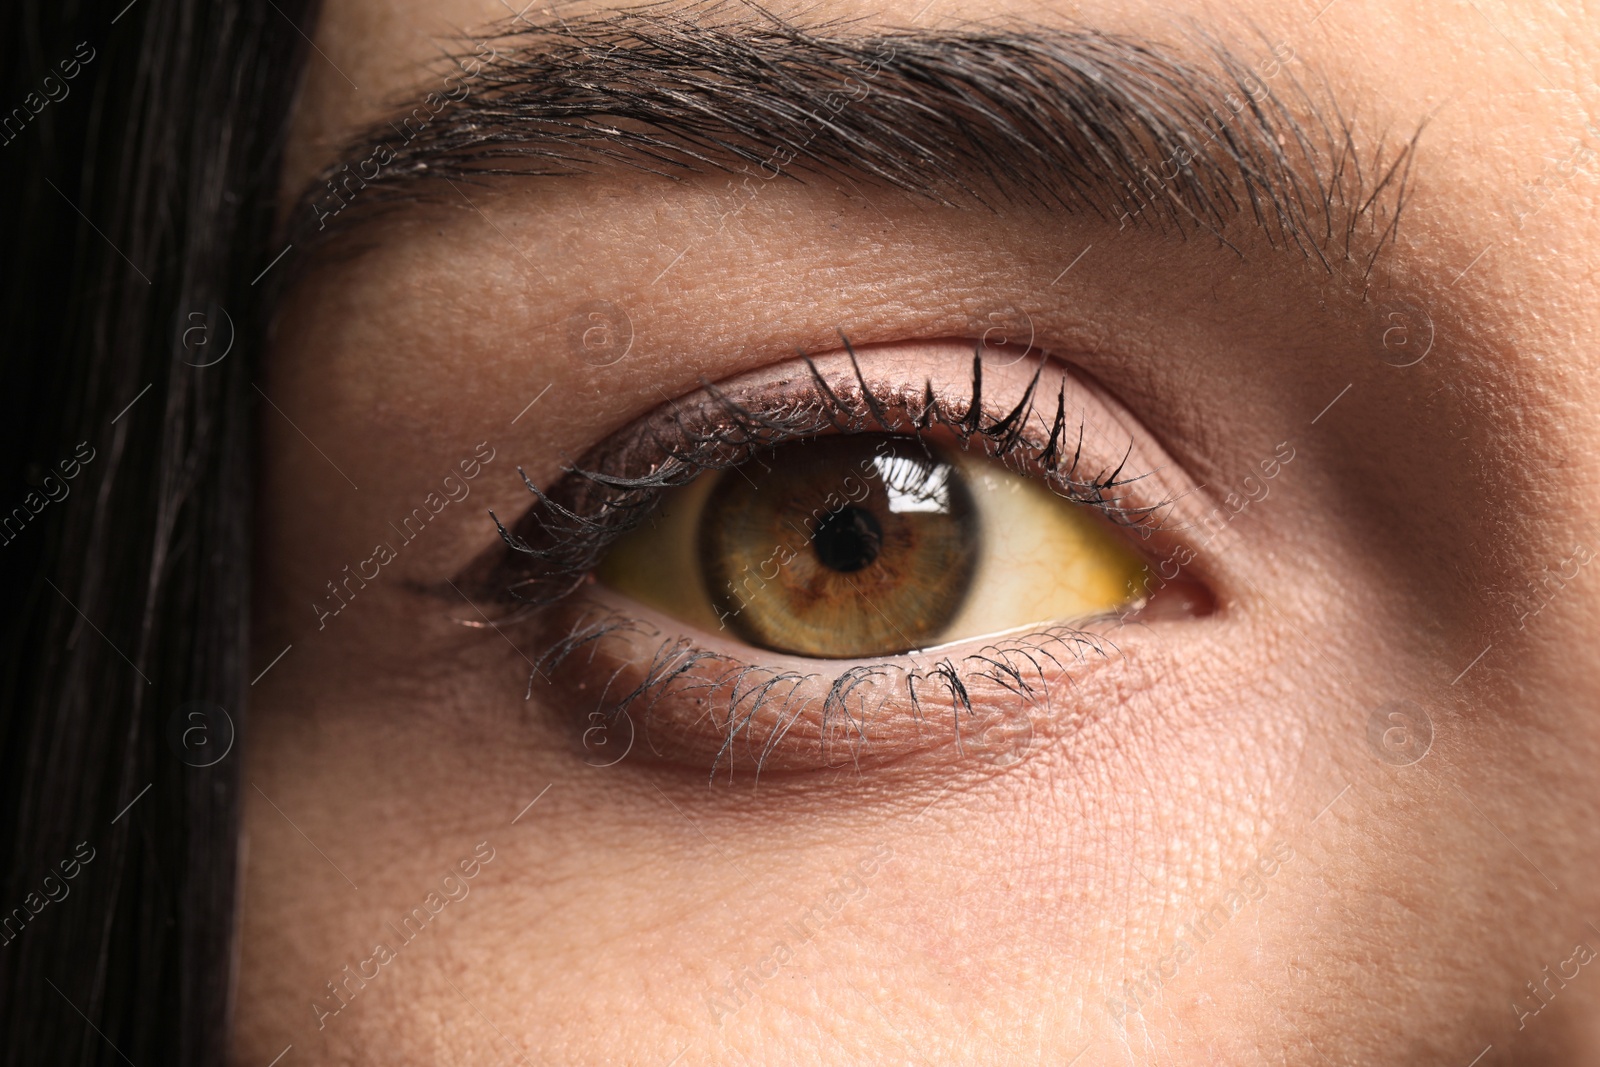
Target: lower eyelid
<point x="700" y="704"/>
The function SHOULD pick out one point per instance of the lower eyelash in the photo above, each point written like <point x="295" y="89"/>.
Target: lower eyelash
<point x="850" y="702"/>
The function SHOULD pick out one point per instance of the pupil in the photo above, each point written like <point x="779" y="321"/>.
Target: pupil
<point x="848" y="539"/>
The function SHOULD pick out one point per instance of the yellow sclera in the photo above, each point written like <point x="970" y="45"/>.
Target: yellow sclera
<point x="1026" y="556"/>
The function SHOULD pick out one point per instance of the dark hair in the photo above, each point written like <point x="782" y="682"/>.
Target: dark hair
<point x="140" y="142"/>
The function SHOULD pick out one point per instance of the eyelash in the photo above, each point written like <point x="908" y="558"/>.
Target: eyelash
<point x="570" y="527"/>
<point x="564" y="536"/>
<point x="1011" y="667"/>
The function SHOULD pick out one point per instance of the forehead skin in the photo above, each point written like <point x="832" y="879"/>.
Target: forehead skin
<point x="1003" y="913"/>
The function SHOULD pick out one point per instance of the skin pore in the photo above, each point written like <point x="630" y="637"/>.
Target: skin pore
<point x="1347" y="816"/>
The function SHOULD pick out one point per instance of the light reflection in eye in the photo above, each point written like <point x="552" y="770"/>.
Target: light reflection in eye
<point x="913" y="486"/>
<point x="863" y="545"/>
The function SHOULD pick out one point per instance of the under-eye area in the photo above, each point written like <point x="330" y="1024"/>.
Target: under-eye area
<point x="839" y="560"/>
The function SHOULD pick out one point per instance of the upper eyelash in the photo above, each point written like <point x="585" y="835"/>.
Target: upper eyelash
<point x="566" y="533"/>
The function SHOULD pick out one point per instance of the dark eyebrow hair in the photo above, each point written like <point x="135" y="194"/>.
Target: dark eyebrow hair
<point x="1072" y="119"/>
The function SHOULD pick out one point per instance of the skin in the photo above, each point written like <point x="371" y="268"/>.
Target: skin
<point x="1409" y="899"/>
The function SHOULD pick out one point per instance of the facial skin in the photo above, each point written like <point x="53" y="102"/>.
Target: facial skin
<point x="1254" y="770"/>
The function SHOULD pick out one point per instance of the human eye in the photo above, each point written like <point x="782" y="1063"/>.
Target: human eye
<point x="869" y="544"/>
<point x="801" y="566"/>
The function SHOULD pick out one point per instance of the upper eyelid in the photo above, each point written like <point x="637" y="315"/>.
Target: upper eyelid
<point x="567" y="530"/>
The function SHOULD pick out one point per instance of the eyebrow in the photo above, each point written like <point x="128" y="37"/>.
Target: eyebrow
<point x="1072" y="119"/>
